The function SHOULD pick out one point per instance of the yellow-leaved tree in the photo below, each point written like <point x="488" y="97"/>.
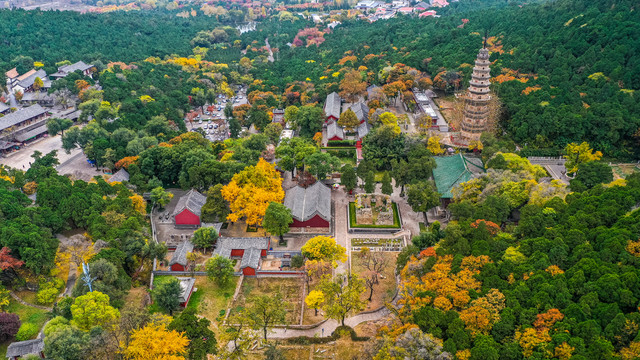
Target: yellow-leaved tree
<point x="251" y="190"/>
<point x="578" y="154"/>
<point x="433" y="145"/>
<point x="324" y="248"/>
<point x="156" y="342"/>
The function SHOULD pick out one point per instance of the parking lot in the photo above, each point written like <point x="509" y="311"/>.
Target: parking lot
<point x="211" y="119"/>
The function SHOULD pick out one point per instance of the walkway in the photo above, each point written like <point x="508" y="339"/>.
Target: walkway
<point x="328" y="327"/>
<point x="18" y="299"/>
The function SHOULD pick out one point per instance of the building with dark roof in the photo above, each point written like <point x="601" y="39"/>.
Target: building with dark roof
<point x="26" y="81"/>
<point x="65" y="70"/>
<point x="178" y="261"/>
<point x="37" y="97"/>
<point x="453" y="170"/>
<point x="187" y="287"/>
<point x="187" y="211"/>
<point x="335" y="131"/>
<point x="250" y="250"/>
<point x="332" y="107"/>
<point x="24" y="124"/>
<point x="310" y="207"/>
<point x="361" y="110"/>
<point x="4" y="108"/>
<point x="278" y="116"/>
<point x="21" y="349"/>
<point x="120" y="176"/>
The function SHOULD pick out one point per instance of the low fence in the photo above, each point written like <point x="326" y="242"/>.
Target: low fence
<point x="278" y="273"/>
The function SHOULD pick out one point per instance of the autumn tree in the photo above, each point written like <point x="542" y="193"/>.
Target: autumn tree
<point x="92" y="309"/>
<point x="37" y="83"/>
<point x="348" y="120"/>
<point x="352" y="86"/>
<point x="314" y="300"/>
<point x="266" y="310"/>
<point x="324" y="248"/>
<point x="8" y="263"/>
<point x="342" y="296"/>
<point x="316" y="269"/>
<point x="434" y="146"/>
<point x="167" y="295"/>
<point x="9" y="326"/>
<point x="277" y="219"/>
<point x="220" y="269"/>
<point x="237" y="330"/>
<point x="578" y="154"/>
<point x="205" y="237"/>
<point x="156" y="342"/>
<point x="251" y="190"/>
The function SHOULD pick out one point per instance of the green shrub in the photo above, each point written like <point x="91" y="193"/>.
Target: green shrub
<point x="341" y="143"/>
<point x="27" y="331"/>
<point x="49" y="291"/>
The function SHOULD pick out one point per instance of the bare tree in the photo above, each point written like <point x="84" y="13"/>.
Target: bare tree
<point x="374" y="262"/>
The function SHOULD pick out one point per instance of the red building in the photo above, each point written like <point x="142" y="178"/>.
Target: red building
<point x="186" y="289"/>
<point x="187" y="211"/>
<point x="179" y="259"/>
<point x="310" y="207"/>
<point x="332" y="107"/>
<point x="249" y="250"/>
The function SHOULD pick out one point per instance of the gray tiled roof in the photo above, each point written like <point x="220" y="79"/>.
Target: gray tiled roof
<point x="180" y="255"/>
<point x="186" y="286"/>
<point x="192" y="200"/>
<point x="226" y="244"/>
<point x="20" y="116"/>
<point x="333" y="129"/>
<point x="332" y="105"/>
<point x="362" y="111"/>
<point x="23" y="348"/>
<point x="36" y="96"/>
<point x="363" y="130"/>
<point x="3" y="107"/>
<point x="31" y="133"/>
<point x="309" y="202"/>
<point x="28" y="81"/>
<point x="80" y="65"/>
<point x="120" y="176"/>
<point x="251" y="258"/>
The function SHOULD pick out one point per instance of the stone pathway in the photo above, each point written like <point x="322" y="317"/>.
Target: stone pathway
<point x="326" y="328"/>
<point x="18" y="299"/>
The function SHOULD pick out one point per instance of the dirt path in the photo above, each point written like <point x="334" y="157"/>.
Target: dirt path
<point x="18" y="299"/>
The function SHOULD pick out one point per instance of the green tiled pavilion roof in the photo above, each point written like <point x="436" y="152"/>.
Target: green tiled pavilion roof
<point x="451" y="171"/>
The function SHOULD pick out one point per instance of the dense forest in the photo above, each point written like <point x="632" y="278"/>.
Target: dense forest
<point x="558" y="281"/>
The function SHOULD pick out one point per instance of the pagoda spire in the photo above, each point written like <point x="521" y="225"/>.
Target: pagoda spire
<point x="476" y="103"/>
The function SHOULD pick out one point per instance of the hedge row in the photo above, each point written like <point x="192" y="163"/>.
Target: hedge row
<point x="341" y="143"/>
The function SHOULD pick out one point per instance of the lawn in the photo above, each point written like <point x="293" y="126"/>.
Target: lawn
<point x="386" y="288"/>
<point x="28" y="315"/>
<point x="290" y="288"/>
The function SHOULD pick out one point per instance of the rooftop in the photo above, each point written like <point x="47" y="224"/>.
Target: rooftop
<point x="23" y="348"/>
<point x="120" y="176"/>
<point x="309" y="202"/>
<point x="332" y="105"/>
<point x="193" y="201"/>
<point x="186" y="286"/>
<point x="333" y="129"/>
<point x="251" y="258"/>
<point x="19" y="116"/>
<point x="453" y="170"/>
<point x="180" y="255"/>
<point x="226" y="244"/>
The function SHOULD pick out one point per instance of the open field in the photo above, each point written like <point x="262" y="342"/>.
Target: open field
<point x="290" y="288"/>
<point x="386" y="288"/>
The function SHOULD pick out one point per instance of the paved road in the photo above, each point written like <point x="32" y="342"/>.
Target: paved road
<point x="21" y="159"/>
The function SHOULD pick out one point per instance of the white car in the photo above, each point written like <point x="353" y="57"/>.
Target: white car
<point x="200" y="121"/>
